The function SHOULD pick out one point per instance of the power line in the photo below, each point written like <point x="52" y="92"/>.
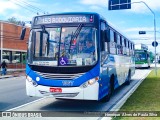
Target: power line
<point x="28" y="6"/>
<point x="33" y="7"/>
<point x="23" y="7"/>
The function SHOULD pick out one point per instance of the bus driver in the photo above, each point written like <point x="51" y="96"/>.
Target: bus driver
<point x="89" y="47"/>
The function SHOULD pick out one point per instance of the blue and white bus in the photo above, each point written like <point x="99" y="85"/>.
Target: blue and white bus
<point x="77" y="56"/>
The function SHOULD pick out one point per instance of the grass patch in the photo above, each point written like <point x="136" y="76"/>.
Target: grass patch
<point x="145" y="98"/>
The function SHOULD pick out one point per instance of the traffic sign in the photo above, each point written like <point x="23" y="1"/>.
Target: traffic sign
<point x="154" y="44"/>
<point x="119" y="4"/>
<point x="142" y="32"/>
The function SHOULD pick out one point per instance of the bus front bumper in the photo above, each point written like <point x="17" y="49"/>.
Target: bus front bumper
<point x="144" y="65"/>
<point x="89" y="92"/>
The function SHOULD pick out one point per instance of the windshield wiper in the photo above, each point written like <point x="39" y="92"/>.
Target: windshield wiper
<point x="75" y="35"/>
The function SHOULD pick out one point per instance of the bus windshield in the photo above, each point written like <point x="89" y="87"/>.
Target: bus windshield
<point x="63" y="46"/>
<point x="140" y="56"/>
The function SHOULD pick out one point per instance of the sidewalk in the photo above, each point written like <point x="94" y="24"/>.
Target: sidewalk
<point x="13" y="73"/>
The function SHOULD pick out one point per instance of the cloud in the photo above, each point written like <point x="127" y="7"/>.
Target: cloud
<point x="142" y="8"/>
<point x="103" y="3"/>
<point x="7" y="5"/>
<point x="136" y="7"/>
<point x="147" y="38"/>
<point x="136" y="29"/>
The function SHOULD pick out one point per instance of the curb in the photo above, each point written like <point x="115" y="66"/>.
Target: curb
<point x="11" y="75"/>
<point x="124" y="99"/>
<point x="6" y="76"/>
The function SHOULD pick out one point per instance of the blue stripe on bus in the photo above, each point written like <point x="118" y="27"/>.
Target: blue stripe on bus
<point x="59" y="83"/>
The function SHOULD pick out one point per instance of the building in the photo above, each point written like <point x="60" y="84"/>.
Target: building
<point x="12" y="49"/>
<point x="141" y="47"/>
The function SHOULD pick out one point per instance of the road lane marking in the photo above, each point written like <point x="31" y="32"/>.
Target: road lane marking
<point x="12" y="109"/>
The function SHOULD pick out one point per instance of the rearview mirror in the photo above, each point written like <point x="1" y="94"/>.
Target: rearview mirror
<point x="23" y="32"/>
<point x="107" y="32"/>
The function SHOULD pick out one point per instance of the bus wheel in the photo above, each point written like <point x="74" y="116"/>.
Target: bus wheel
<point x="110" y="90"/>
<point x="128" y="78"/>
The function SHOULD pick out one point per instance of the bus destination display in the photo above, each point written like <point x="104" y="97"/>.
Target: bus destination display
<point x="64" y="19"/>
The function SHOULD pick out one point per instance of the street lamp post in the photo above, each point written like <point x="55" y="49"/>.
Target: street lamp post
<point x="154" y="31"/>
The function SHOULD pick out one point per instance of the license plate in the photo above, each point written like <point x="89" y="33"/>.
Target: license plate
<point x="58" y="90"/>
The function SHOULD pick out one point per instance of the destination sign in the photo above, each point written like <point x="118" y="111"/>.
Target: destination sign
<point x="64" y="19"/>
<point x="140" y="51"/>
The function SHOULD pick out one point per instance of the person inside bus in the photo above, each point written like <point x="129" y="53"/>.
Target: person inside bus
<point x="89" y="47"/>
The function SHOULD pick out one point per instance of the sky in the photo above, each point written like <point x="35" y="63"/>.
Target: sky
<point x="129" y="21"/>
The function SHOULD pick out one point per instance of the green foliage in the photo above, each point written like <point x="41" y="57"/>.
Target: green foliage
<point x="15" y="21"/>
<point x="145" y="98"/>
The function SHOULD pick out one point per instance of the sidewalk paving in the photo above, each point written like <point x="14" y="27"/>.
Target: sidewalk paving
<point x="13" y="73"/>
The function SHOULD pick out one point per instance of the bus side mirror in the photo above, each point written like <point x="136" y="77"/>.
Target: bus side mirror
<point x="103" y="37"/>
<point x="23" y="32"/>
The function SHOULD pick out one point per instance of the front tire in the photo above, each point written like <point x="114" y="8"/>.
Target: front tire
<point x="128" y="78"/>
<point x="110" y="90"/>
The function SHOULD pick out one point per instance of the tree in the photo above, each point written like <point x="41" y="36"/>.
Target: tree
<point x="15" y="21"/>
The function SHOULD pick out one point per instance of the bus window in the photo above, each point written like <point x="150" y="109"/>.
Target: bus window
<point x="124" y="46"/>
<point x="133" y="48"/>
<point x="111" y="36"/>
<point x="37" y="44"/>
<point x="112" y="45"/>
<point x="115" y="37"/>
<point x="123" y="42"/>
<point x="127" y="47"/>
<point x="118" y="40"/>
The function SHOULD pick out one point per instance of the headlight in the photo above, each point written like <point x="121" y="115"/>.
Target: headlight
<point x="30" y="80"/>
<point x="90" y="82"/>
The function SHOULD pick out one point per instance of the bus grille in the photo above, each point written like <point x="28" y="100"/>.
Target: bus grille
<point x="59" y="94"/>
<point x="59" y="76"/>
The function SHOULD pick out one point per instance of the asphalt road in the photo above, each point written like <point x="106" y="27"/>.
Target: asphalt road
<point x="12" y="93"/>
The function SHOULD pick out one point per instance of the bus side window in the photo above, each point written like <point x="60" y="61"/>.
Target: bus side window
<point x="124" y="48"/>
<point x="102" y="36"/>
<point x="119" y="46"/>
<point x="131" y="53"/>
<point x="112" y="45"/>
<point x="133" y="48"/>
<point x="107" y="42"/>
<point x="127" y="48"/>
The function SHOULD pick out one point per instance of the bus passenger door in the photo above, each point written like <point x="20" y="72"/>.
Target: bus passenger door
<point x="104" y="58"/>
